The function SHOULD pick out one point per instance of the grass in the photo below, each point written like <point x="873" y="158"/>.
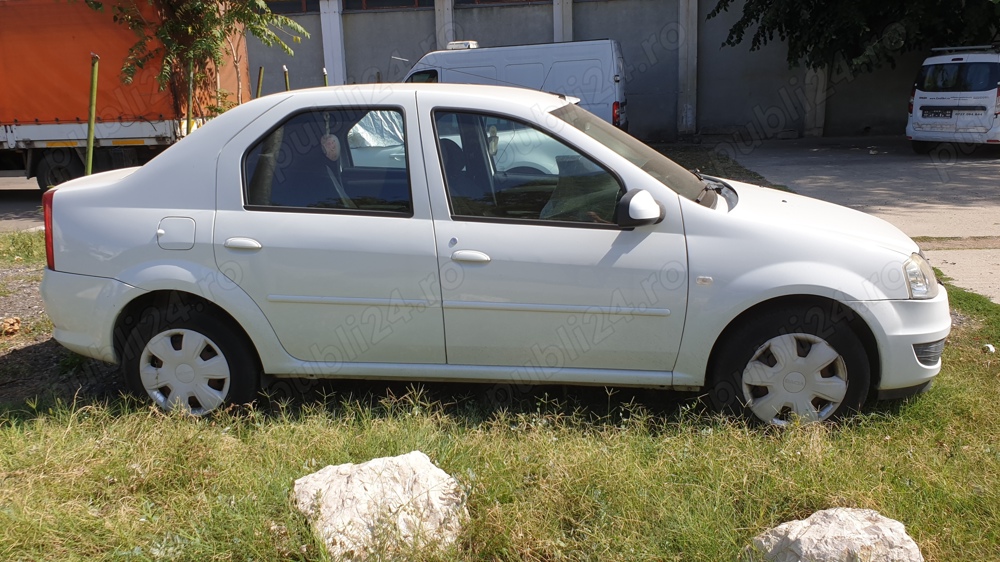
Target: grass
<point x="23" y="247"/>
<point x="551" y="481"/>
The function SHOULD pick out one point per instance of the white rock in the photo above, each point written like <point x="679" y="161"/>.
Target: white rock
<point x="382" y="505"/>
<point x="839" y="535"/>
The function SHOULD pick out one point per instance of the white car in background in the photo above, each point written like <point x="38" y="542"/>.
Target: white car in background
<point x="273" y="241"/>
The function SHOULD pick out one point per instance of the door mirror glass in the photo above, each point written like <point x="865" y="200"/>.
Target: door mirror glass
<point x="638" y="208"/>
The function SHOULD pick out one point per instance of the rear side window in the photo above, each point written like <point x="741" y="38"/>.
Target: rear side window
<point x="959" y="77"/>
<point x="351" y="159"/>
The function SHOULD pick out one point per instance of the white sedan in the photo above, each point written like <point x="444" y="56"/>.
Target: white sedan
<point x="389" y="232"/>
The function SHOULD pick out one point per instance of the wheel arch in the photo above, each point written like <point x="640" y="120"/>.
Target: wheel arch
<point x="858" y="325"/>
<point x="130" y="315"/>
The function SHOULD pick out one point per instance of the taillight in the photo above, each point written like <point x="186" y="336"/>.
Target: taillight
<point x="616" y="116"/>
<point x="50" y="257"/>
<point x="913" y="94"/>
<point x="996" y="107"/>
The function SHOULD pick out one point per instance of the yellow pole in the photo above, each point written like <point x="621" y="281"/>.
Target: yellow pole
<point x="92" y="115"/>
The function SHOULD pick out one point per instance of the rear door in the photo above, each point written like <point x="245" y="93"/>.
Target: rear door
<point x="956" y="95"/>
<point x="323" y="220"/>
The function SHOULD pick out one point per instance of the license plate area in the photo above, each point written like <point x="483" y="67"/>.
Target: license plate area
<point x="936" y="113"/>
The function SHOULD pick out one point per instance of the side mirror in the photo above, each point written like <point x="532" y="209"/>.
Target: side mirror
<point x="638" y="208"/>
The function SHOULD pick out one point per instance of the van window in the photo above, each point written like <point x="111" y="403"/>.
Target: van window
<point x="959" y="77"/>
<point x="424" y="76"/>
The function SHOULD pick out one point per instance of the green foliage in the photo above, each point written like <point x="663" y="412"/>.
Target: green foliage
<point x="194" y="33"/>
<point x="862" y="34"/>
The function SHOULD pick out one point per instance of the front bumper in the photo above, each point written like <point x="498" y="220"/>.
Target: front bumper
<point x="84" y="309"/>
<point x="902" y="328"/>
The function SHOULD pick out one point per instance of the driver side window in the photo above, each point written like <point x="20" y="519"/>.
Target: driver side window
<point x="502" y="168"/>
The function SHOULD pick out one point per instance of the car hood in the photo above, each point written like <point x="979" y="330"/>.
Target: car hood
<point x="807" y="215"/>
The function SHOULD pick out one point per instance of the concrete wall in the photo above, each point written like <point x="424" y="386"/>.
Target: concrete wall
<point x="497" y="26"/>
<point x="742" y="92"/>
<point x="305" y="68"/>
<point x="745" y="95"/>
<point x="871" y="103"/>
<point x="649" y="33"/>
<point x="372" y="38"/>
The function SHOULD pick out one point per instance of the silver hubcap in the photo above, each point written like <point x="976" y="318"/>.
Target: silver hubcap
<point x="184" y="369"/>
<point x="795" y="375"/>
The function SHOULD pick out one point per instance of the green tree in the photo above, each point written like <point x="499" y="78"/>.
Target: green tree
<point x="196" y="34"/>
<point x="861" y="33"/>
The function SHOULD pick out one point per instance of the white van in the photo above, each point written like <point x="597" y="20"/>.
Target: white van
<point x="955" y="98"/>
<point x="593" y="71"/>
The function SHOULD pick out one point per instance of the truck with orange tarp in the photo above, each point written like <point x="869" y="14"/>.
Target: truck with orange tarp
<point x="45" y="75"/>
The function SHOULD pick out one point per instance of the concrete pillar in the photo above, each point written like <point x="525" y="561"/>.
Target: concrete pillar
<point x="687" y="68"/>
<point x="815" y="87"/>
<point x="562" y="20"/>
<point x="332" y="26"/>
<point x="444" y="22"/>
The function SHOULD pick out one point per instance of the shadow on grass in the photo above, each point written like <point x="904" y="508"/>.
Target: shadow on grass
<point x="38" y="377"/>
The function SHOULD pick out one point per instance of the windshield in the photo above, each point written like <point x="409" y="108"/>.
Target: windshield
<point x="668" y="172"/>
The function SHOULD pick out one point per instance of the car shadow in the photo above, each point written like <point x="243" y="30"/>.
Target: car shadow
<point x="44" y="375"/>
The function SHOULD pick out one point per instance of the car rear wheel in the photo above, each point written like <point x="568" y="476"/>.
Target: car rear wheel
<point x="183" y="358"/>
<point x="800" y="363"/>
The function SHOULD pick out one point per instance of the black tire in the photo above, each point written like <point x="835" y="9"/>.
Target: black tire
<point x="804" y="385"/>
<point x="178" y="341"/>
<point x="56" y="167"/>
<point x="923" y="147"/>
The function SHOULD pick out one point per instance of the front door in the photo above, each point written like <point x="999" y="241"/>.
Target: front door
<point x="535" y="275"/>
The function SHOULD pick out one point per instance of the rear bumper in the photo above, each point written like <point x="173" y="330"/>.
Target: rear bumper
<point x="84" y="309"/>
<point x="917" y="133"/>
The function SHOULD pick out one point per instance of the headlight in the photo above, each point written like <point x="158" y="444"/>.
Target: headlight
<point x="920" y="278"/>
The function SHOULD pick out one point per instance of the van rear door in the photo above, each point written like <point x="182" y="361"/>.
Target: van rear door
<point x="956" y="96"/>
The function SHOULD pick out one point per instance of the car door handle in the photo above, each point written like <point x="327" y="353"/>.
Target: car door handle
<point x="240" y="243"/>
<point x="473" y="256"/>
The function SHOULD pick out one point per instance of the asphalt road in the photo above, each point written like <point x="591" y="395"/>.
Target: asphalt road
<point x="950" y="193"/>
<point x="20" y="204"/>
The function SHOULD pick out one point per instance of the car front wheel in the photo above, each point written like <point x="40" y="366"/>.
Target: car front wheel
<point x="183" y="358"/>
<point x="802" y="363"/>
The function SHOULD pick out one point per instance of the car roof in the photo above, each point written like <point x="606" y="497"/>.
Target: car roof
<point x="369" y="92"/>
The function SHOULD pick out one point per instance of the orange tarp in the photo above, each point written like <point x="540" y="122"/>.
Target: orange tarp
<point x="45" y="48"/>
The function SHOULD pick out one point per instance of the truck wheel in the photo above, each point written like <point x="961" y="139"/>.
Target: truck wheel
<point x="56" y="167"/>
